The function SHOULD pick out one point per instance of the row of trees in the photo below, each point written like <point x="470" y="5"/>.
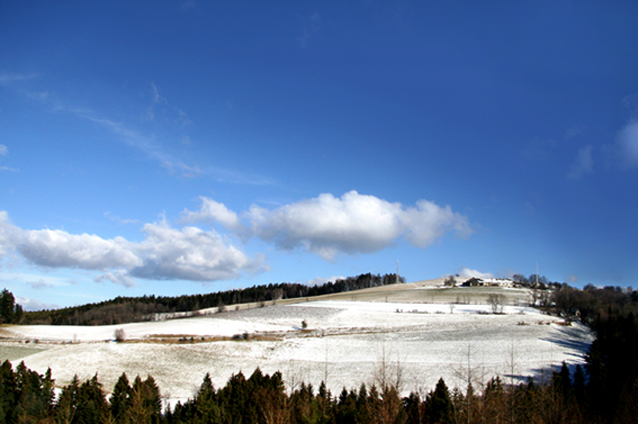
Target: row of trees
<point x="133" y="309"/>
<point x="27" y="397"/>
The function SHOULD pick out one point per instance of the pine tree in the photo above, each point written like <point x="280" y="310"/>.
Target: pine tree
<point x="120" y="400"/>
<point x="7" y="307"/>
<point x="438" y="404"/>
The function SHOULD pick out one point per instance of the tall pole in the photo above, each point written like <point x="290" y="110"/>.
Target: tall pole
<point x="397" y="276"/>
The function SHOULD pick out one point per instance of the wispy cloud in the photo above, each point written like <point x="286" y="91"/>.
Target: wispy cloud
<point x="4" y="150"/>
<point x="146" y="144"/>
<point x="119" y="220"/>
<point x="582" y="165"/>
<point x="133" y="137"/>
<point x="160" y="104"/>
<point x="574" y="131"/>
<point x="7" y="78"/>
<point x="310" y="28"/>
<point x="626" y="146"/>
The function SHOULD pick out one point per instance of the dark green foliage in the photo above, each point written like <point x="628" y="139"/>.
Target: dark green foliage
<point x="438" y="404"/>
<point x="120" y="400"/>
<point x="91" y="404"/>
<point x="10" y="312"/>
<point x="27" y="397"/>
<point x="33" y="395"/>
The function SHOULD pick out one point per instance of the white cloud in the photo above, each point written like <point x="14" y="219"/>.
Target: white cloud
<point x="325" y="225"/>
<point x="353" y="224"/>
<point x="7" y="233"/>
<point x="59" y="249"/>
<point x="213" y="211"/>
<point x="119" y="276"/>
<point x="34" y="305"/>
<point x="4" y="150"/>
<point x="319" y="281"/>
<point x="190" y="254"/>
<point x="627" y="143"/>
<point x="470" y="273"/>
<point x="165" y="253"/>
<point x="582" y="165"/>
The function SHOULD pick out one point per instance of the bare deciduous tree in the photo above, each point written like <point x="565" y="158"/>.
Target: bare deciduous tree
<point x="496" y="301"/>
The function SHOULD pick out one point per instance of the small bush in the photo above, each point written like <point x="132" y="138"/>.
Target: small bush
<point x="120" y="336"/>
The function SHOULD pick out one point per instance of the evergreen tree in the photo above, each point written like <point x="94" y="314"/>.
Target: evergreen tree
<point x="120" y="400"/>
<point x="438" y="404"/>
<point x="91" y="405"/>
<point x="10" y="313"/>
<point x="205" y="403"/>
<point x="66" y="405"/>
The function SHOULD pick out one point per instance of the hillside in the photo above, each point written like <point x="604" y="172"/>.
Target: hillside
<point x="350" y="338"/>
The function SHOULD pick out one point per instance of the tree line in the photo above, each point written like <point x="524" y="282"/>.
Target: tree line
<point x="134" y="309"/>
<point x="28" y="397"/>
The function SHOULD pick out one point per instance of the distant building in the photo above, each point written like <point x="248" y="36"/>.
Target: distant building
<point x="488" y="282"/>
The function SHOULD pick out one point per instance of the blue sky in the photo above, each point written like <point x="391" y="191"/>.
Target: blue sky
<point x="175" y="147"/>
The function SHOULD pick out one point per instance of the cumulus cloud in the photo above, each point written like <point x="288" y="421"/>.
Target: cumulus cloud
<point x="352" y="224"/>
<point x="328" y="225"/>
<point x="57" y="249"/>
<point x="582" y="165"/>
<point x="325" y="225"/>
<point x="166" y="253"/>
<point x="211" y="210"/>
<point x="472" y="273"/>
<point x="190" y="254"/>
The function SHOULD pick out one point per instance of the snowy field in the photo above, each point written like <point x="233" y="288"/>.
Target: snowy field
<point x="346" y="343"/>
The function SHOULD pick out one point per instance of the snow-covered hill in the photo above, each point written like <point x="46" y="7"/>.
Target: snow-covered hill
<point x="345" y="343"/>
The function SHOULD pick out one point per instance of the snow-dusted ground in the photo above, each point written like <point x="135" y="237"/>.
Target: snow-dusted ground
<point x="346" y="343"/>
